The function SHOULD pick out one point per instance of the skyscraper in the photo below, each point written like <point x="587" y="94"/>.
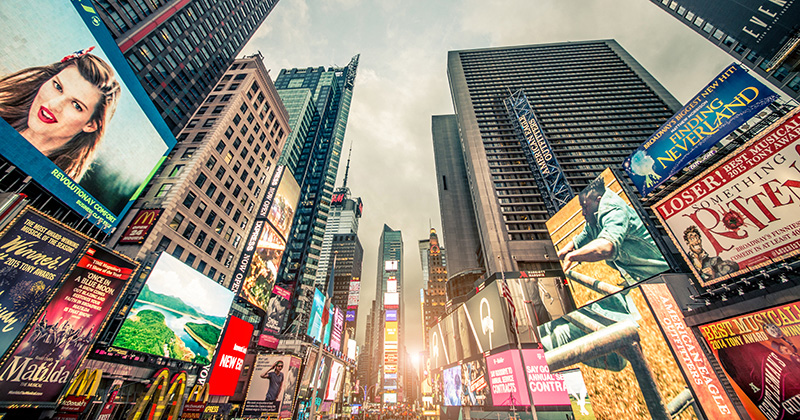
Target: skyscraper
<point x="763" y="36"/>
<point x="435" y="298"/>
<point x="595" y="105"/>
<point x="315" y="171"/>
<point x="180" y="48"/>
<point x="388" y="290"/>
<point x="199" y="205"/>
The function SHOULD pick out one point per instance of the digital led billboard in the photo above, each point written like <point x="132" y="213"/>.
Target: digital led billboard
<point x="43" y="362"/>
<point x="475" y="383"/>
<point x="732" y="98"/>
<point x="625" y="329"/>
<point x="230" y="357"/>
<point x="277" y="309"/>
<point x="264" y="268"/>
<point x="315" y="318"/>
<point x="93" y="144"/>
<point x="486" y="315"/>
<point x="338" y="327"/>
<point x="140" y="226"/>
<point x="284" y="205"/>
<point x="272" y="387"/>
<point x="335" y="380"/>
<point x="507" y="379"/>
<point x="609" y="249"/>
<point x="546" y="388"/>
<point x="452" y="386"/>
<point x="758" y="351"/>
<point x="721" y="234"/>
<point x="179" y="314"/>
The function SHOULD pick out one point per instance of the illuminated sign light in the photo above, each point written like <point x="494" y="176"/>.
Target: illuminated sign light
<point x="391" y="299"/>
<point x="391" y="286"/>
<point x="337" y="198"/>
<point x="391" y="265"/>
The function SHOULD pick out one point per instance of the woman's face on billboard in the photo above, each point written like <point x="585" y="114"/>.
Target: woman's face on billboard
<point x="61" y="109"/>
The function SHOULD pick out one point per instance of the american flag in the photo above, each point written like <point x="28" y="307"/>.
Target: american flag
<point x="512" y="310"/>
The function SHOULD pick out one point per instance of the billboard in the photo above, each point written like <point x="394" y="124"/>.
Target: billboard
<point x="602" y="242"/>
<point x="707" y="388"/>
<point x="740" y="212"/>
<point x="758" y="352"/>
<point x="35" y="253"/>
<point x="335" y="380"/>
<point x="315" y="318"/>
<point x="179" y="314"/>
<point x="486" y="316"/>
<point x="474" y="383"/>
<point x="264" y="268"/>
<point x="539" y="297"/>
<point x="546" y="388"/>
<point x="338" y="327"/>
<point x="92" y="144"/>
<point x="507" y="379"/>
<point x="351" y="315"/>
<point x="140" y="226"/>
<point x="230" y="357"/>
<point x="277" y="308"/>
<point x="617" y="387"/>
<point x="391" y="300"/>
<point x="732" y="98"/>
<point x="391" y="265"/>
<point x="391" y="314"/>
<point x="284" y="205"/>
<point x="272" y="386"/>
<point x="452" y="386"/>
<point x="42" y="364"/>
<point x="439" y="356"/>
<point x="390" y="335"/>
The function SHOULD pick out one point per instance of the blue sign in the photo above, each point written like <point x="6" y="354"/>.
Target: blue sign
<point x="731" y="99"/>
<point x="315" y="318"/>
<point x="391" y="314"/>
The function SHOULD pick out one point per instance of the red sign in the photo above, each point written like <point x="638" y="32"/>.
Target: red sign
<point x="546" y="388"/>
<point x="193" y="410"/>
<point x="742" y="211"/>
<point x="108" y="407"/>
<point x="140" y="227"/>
<point x="230" y="357"/>
<point x="71" y="408"/>
<point x="695" y="365"/>
<point x="268" y="341"/>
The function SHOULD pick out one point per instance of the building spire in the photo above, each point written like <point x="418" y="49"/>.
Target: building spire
<point x="347" y="168"/>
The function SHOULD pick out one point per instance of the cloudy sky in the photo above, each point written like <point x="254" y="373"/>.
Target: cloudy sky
<point x="402" y="82"/>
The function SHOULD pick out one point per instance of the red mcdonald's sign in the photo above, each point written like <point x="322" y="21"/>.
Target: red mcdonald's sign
<point x="140" y="227"/>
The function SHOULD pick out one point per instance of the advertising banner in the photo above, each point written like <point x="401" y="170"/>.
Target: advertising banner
<point x="351" y="315"/>
<point x="507" y="379"/>
<point x="439" y="356"/>
<point x="95" y="154"/>
<point x="474" y="383"/>
<point x="140" y="226"/>
<point x="315" y="318"/>
<point x="390" y="335"/>
<point x="335" y="381"/>
<point x="269" y="341"/>
<point x="272" y="385"/>
<point x="264" y="268"/>
<point x="704" y="382"/>
<point x="35" y="252"/>
<point x="284" y="205"/>
<point x="732" y="98"/>
<point x="391" y="299"/>
<point x="578" y="398"/>
<point x="391" y="314"/>
<point x="278" y="306"/>
<point x="740" y="213"/>
<point x="328" y="325"/>
<point x="610" y="250"/>
<point x="230" y="357"/>
<point x="546" y="388"/>
<point x="759" y="353"/>
<point x="352" y="347"/>
<point x="179" y="314"/>
<point x="486" y="316"/>
<point x="41" y="365"/>
<point x="452" y="386"/>
<point x="338" y="327"/>
<point x="619" y="322"/>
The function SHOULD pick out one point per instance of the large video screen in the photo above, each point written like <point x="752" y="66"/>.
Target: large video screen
<point x="721" y="234"/>
<point x="475" y="383"/>
<point x="452" y="386"/>
<point x="264" y="268"/>
<point x="272" y="387"/>
<point x="759" y="353"/>
<point x="507" y="379"/>
<point x="230" y="357"/>
<point x="284" y="205"/>
<point x="74" y="116"/>
<point x="602" y="242"/>
<point x="487" y="318"/>
<point x="179" y="314"/>
<point x="315" y="318"/>
<point x="602" y="354"/>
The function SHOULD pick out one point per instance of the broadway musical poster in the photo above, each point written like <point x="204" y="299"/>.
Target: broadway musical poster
<point x="42" y="364"/>
<point x="760" y="353"/>
<point x="35" y="252"/>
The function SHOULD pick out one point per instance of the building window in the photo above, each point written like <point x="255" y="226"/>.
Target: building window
<point x="236" y="240"/>
<point x="190" y="259"/>
<point x="163" y="190"/>
<point x="201" y="179"/>
<point x="201" y="208"/>
<point x="188" y="153"/>
<point x="228" y="260"/>
<point x="212" y="272"/>
<point x="201" y="266"/>
<point x="201" y="238"/>
<point x="163" y="244"/>
<point x="228" y="234"/>
<point x="220" y="254"/>
<point x="176" y="221"/>
<point x="177" y="252"/>
<point x="187" y="233"/>
<point x="210" y="218"/>
<point x="211" y="162"/>
<point x="211" y="245"/>
<point x="210" y="190"/>
<point x="189" y="199"/>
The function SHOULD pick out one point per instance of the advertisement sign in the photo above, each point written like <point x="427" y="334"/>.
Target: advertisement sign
<point x="452" y="386"/>
<point x="40" y="367"/>
<point x="612" y="250"/>
<point x="759" y="353"/>
<point x="578" y="394"/>
<point x="230" y="357"/>
<point x="740" y="212"/>
<point x="315" y="318"/>
<point x="474" y="383"/>
<point x="179" y="314"/>
<point x="350" y="316"/>
<point x="94" y="155"/>
<point x="328" y="326"/>
<point x="704" y="382"/>
<point x="272" y="385"/>
<point x="140" y="226"/>
<point x="391" y="300"/>
<point x="538" y="298"/>
<point x="391" y="314"/>
<point x="335" y="380"/>
<point x="269" y="341"/>
<point x="352" y="347"/>
<point x="277" y="308"/>
<point x="338" y="327"/>
<point x="390" y="335"/>
<point x="732" y="98"/>
<point x="507" y="379"/>
<point x="284" y="205"/>
<point x="624" y="320"/>
<point x="486" y="316"/>
<point x="35" y="252"/>
<point x="264" y="268"/>
<point x="391" y="265"/>
<point x="439" y="356"/>
<point x="546" y="388"/>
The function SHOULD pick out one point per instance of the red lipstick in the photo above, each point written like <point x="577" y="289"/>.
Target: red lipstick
<point x="46" y="116"/>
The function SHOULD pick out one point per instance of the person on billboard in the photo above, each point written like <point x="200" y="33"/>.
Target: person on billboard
<point x="613" y="233"/>
<point x="709" y="267"/>
<point x="275" y="376"/>
<point x="63" y="108"/>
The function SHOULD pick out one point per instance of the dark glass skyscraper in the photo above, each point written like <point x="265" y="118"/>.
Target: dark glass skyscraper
<point x="315" y="171"/>
<point x="595" y="104"/>
<point x="180" y="48"/>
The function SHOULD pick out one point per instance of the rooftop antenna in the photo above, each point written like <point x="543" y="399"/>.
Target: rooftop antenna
<point x="347" y="168"/>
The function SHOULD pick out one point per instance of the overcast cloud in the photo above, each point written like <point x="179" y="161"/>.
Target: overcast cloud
<point x="402" y="82"/>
